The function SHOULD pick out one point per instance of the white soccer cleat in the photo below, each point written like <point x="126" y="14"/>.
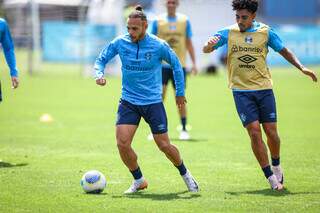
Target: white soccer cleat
<point x="150" y="137"/>
<point x="274" y="183"/>
<point x="277" y="171"/>
<point x="190" y="182"/>
<point x="184" y="135"/>
<point x="137" y="185"/>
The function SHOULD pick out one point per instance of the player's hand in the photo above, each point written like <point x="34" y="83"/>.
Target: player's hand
<point x="194" y="70"/>
<point x="208" y="47"/>
<point x="180" y="101"/>
<point x="310" y="73"/>
<point x="101" y="81"/>
<point x="15" y="82"/>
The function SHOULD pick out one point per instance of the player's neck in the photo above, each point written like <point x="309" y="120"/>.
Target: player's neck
<point x="141" y="37"/>
<point x="172" y="15"/>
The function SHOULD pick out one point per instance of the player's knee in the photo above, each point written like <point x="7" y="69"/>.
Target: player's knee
<point x="255" y="134"/>
<point x="272" y="134"/>
<point x="165" y="147"/>
<point x="123" y="143"/>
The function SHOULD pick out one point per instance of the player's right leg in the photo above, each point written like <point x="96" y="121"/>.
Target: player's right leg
<point x="248" y="110"/>
<point x="127" y="124"/>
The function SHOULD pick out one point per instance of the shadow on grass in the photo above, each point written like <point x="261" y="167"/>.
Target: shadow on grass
<point x="96" y="194"/>
<point x="190" y="140"/>
<point x="270" y="192"/>
<point x="161" y="197"/>
<point x="9" y="165"/>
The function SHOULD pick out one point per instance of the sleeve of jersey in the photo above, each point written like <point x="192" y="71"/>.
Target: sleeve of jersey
<point x="274" y="41"/>
<point x="223" y="35"/>
<point x="8" y="50"/>
<point x="188" y="29"/>
<point x="154" y="27"/>
<point x="104" y="57"/>
<point x="171" y="58"/>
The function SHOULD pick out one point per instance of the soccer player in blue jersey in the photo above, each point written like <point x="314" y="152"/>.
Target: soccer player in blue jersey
<point x="8" y="50"/>
<point x="141" y="55"/>
<point x="175" y="28"/>
<point x="250" y="81"/>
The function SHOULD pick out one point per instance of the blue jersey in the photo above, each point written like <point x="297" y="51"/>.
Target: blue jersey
<point x="8" y="48"/>
<point x="141" y="67"/>
<point x="274" y="40"/>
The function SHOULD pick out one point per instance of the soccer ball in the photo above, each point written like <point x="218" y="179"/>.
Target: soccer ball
<point x="93" y="182"/>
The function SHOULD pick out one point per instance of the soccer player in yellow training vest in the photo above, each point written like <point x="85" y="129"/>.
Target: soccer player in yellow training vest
<point x="175" y="28"/>
<point x="251" y="84"/>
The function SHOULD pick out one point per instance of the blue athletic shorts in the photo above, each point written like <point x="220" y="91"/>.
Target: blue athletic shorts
<point x="167" y="75"/>
<point x="259" y="105"/>
<point x="154" y="114"/>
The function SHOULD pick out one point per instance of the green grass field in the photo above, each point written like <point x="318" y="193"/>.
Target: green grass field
<point x="41" y="164"/>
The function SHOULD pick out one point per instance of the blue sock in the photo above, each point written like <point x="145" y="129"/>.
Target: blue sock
<point x="275" y="161"/>
<point x="137" y="174"/>
<point x="182" y="169"/>
<point x="267" y="171"/>
<point x="184" y="123"/>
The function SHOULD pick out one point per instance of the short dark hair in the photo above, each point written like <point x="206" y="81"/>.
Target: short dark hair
<point x="138" y="13"/>
<point x="250" y="5"/>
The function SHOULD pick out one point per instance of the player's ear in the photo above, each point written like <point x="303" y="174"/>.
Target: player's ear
<point x="145" y="24"/>
<point x="254" y="15"/>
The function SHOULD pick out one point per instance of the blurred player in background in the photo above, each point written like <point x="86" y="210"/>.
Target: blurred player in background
<point x="251" y="84"/>
<point x="175" y="28"/>
<point x="8" y="50"/>
<point x="141" y="55"/>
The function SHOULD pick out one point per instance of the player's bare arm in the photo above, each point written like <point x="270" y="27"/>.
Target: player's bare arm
<point x="290" y="57"/>
<point x="208" y="47"/>
<point x="194" y="69"/>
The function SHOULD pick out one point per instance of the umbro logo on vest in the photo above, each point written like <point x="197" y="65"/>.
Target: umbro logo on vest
<point x="247" y="59"/>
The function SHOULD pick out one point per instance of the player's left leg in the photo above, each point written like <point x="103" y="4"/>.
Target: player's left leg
<point x="155" y="116"/>
<point x="248" y="106"/>
<point x="172" y="153"/>
<point x="273" y="141"/>
<point x="268" y="118"/>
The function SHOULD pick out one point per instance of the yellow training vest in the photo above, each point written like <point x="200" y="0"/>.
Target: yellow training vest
<point x="175" y="34"/>
<point x="247" y="53"/>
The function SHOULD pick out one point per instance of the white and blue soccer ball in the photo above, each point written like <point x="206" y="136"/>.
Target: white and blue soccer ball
<point x="93" y="182"/>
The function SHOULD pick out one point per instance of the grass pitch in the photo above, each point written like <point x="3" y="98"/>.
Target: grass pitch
<point x="41" y="164"/>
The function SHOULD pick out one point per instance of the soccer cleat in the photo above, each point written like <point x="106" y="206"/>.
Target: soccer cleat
<point x="190" y="182"/>
<point x="150" y="137"/>
<point x="274" y="183"/>
<point x="277" y="171"/>
<point x="137" y="185"/>
<point x="184" y="135"/>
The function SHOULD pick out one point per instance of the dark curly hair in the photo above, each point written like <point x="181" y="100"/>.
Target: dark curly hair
<point x="138" y="13"/>
<point x="250" y="5"/>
